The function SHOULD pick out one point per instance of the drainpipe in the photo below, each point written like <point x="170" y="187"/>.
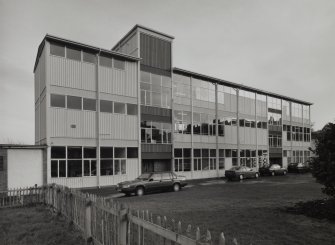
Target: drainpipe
<point x="98" y="118"/>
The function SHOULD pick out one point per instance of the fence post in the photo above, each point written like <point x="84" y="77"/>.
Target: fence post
<point x="88" y="232"/>
<point x="123" y="223"/>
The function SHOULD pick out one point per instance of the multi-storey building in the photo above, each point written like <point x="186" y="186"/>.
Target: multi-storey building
<point x="109" y="115"/>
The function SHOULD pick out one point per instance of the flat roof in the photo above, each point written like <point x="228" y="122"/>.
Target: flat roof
<point x="141" y="27"/>
<point x="236" y="85"/>
<point x="49" y="37"/>
<point x="19" y="146"/>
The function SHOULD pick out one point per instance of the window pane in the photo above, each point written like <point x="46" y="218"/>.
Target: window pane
<point x="132" y="152"/>
<point x="221" y="152"/>
<point x="106" y="152"/>
<point x="54" y="168"/>
<point x="74" y="102"/>
<point x="117" y="167"/>
<point x="62" y="168"/>
<point x="120" y="152"/>
<point x="58" y="152"/>
<point x="234" y="153"/>
<point x="86" y="168"/>
<point x="197" y="153"/>
<point x="131" y="109"/>
<point x="228" y="153"/>
<point x="156" y="99"/>
<point x="119" y="64"/>
<point x="106" y="167"/>
<point x="119" y="108"/>
<point x="57" y="49"/>
<point x="221" y="163"/>
<point x="89" y="57"/>
<point x="187" y="164"/>
<point x="186" y="152"/>
<point x="74" y="168"/>
<point x="106" y="106"/>
<point x="123" y="167"/>
<point x="74" y="152"/>
<point x="73" y="54"/>
<point x="178" y="152"/>
<point x="57" y="100"/>
<point x="205" y="153"/>
<point x="90" y="152"/>
<point x="89" y="104"/>
<point x="93" y="168"/>
<point x="105" y="61"/>
<point x="1" y="163"/>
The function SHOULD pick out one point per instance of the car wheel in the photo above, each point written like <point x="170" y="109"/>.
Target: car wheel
<point x="139" y="191"/>
<point x="273" y="173"/>
<point x="256" y="175"/>
<point x="176" y="187"/>
<point x="285" y="173"/>
<point x="241" y="177"/>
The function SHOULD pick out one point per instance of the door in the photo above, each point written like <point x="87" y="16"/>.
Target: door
<point x="166" y="182"/>
<point x="154" y="182"/>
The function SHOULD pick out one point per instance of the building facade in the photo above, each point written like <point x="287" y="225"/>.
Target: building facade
<point x="109" y="115"/>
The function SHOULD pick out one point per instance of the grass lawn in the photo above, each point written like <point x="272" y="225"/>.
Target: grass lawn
<point x="36" y="226"/>
<point x="253" y="211"/>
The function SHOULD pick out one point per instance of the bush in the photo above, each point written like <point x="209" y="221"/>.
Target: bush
<point x="323" y="165"/>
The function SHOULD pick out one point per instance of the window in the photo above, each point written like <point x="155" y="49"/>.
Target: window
<point x="58" y="152"/>
<point x="106" y="162"/>
<point x="132" y="109"/>
<point x="73" y="54"/>
<point x="132" y="152"/>
<point x="74" y="102"/>
<point x="105" y="61"/>
<point x="1" y="163"/>
<point x="89" y="104"/>
<point x="57" y="100"/>
<point x="57" y="49"/>
<point x="119" y="166"/>
<point x="106" y="106"/>
<point x="119" y="108"/>
<point x="89" y="57"/>
<point x="74" y="152"/>
<point x="155" y="132"/>
<point x="90" y="163"/>
<point x="120" y="152"/>
<point x="119" y="64"/>
<point x="106" y="152"/>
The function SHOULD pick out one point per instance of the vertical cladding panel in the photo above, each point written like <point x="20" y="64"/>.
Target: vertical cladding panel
<point x="58" y="119"/>
<point x="131" y="79"/>
<point x="57" y="68"/>
<point x="73" y="73"/>
<point x="116" y="126"/>
<point x="37" y="123"/>
<point x="42" y="71"/>
<point x="233" y="103"/>
<point x="43" y="118"/>
<point x="88" y="76"/>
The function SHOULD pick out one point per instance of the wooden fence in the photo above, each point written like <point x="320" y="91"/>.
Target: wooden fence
<point x="106" y="221"/>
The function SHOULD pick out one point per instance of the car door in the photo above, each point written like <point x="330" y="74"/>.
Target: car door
<point x="154" y="182"/>
<point x="166" y="182"/>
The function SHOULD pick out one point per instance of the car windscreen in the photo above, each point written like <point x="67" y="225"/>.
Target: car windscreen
<point x="236" y="168"/>
<point x="144" y="176"/>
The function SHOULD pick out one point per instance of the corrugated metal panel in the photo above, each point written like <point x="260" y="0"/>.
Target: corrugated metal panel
<point x="43" y="118"/>
<point x="119" y="82"/>
<point x="71" y="73"/>
<point x="58" y="121"/>
<point x="117" y="126"/>
<point x="155" y="54"/>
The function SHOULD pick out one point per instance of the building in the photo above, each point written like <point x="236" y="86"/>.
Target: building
<point x="107" y="116"/>
<point x="21" y="166"/>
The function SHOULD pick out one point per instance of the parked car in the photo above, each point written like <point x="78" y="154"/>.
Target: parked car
<point x="273" y="169"/>
<point x="298" y="167"/>
<point x="152" y="182"/>
<point x="241" y="172"/>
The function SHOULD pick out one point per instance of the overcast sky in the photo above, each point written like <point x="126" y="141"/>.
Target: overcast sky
<point x="282" y="46"/>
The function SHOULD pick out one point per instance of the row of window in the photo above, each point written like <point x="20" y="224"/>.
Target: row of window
<point x="297" y="156"/>
<point x="205" y="159"/>
<point x="155" y="132"/>
<point x="77" y="161"/>
<point x="85" y="56"/>
<point x="79" y="103"/>
<point x="296" y="133"/>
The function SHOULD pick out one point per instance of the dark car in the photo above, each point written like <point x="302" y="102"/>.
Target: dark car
<point x="241" y="172"/>
<point x="273" y="169"/>
<point x="152" y="182"/>
<point x="298" y="167"/>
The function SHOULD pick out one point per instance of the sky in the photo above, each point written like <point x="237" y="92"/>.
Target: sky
<point x="285" y="47"/>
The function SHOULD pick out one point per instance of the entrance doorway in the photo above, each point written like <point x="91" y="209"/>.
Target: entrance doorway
<point x="153" y="165"/>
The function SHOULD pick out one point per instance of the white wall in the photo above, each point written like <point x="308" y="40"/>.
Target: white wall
<point x="25" y="167"/>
